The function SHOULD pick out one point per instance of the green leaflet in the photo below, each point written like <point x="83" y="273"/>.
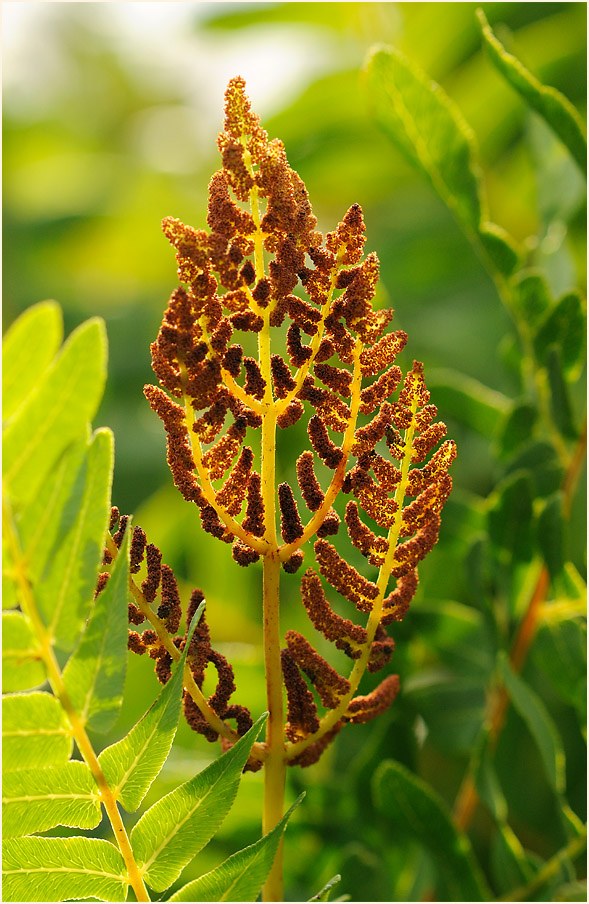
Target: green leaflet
<point x="179" y="825"/>
<point x="429" y="129"/>
<point x="27" y="351"/>
<point x="57" y="413"/>
<point x="241" y="876"/>
<point x="131" y="764"/>
<point x="412" y="806"/>
<point x="94" y="676"/>
<point x="64" y="592"/>
<point x="49" y="517"/>
<point x="21" y="659"/>
<point x="34" y="800"/>
<point x="540" y="725"/>
<point x="56" y="869"/>
<point x="467" y="400"/>
<point x="35" y="732"/>
<point x="553" y="106"/>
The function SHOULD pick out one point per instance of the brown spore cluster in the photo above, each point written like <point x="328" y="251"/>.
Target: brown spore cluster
<point x="262" y="266"/>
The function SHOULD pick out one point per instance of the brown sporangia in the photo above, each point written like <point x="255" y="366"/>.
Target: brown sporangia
<point x="261" y="267"/>
<point x="365" y="708"/>
<point x="327" y="682"/>
<point x="310" y="487"/>
<point x="302" y="719"/>
<point x="291" y="526"/>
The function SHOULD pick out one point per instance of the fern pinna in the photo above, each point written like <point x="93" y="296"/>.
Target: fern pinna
<point x="338" y="372"/>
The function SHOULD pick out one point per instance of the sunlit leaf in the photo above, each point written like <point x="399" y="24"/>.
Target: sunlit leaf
<point x="241" y="876"/>
<point x="179" y="825"/>
<point x="430" y="131"/>
<point x="22" y="667"/>
<point x="413" y="807"/>
<point x="28" y="348"/>
<point x="34" y="800"/>
<point x="35" y="732"/>
<point x="57" y="869"/>
<point x="46" y="520"/>
<point x="553" y="106"/>
<point x="57" y="413"/>
<point x="64" y="591"/>
<point x="131" y="764"/>
<point x="94" y="676"/>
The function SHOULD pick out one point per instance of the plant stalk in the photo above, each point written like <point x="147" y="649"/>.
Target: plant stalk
<point x="275" y="765"/>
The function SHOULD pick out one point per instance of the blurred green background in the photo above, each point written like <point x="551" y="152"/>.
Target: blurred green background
<point x="111" y="111"/>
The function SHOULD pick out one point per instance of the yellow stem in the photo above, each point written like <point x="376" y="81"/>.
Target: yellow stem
<point x="54" y="675"/>
<point x="274" y="769"/>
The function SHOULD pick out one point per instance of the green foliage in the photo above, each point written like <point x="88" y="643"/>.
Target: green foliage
<point x="24" y="360"/>
<point x="86" y="148"/>
<point x="556" y="109"/>
<point x="94" y="677"/>
<point x="21" y="664"/>
<point x="429" y="129"/>
<point x="241" y="876"/>
<point x="179" y="825"/>
<point x="56" y="412"/>
<point x="415" y="808"/>
<point x="131" y="764"/>
<point x="532" y="710"/>
<point x="51" y="869"/>
<point x="54" y="546"/>
<point x="38" y="799"/>
<point x="35" y="732"/>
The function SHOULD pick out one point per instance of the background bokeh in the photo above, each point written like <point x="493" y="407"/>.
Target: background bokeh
<point x="111" y="111"/>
